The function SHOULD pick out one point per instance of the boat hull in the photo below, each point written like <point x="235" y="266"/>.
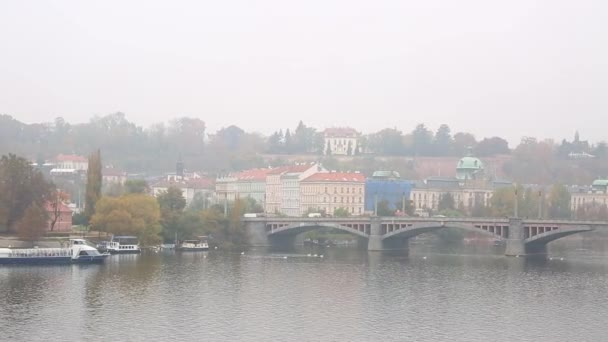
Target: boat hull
<point x="126" y="251"/>
<point x="97" y="259"/>
<point x="192" y="249"/>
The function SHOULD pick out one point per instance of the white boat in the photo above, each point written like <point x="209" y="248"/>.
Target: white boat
<point x="121" y="245"/>
<point x="79" y="252"/>
<point x="193" y="245"/>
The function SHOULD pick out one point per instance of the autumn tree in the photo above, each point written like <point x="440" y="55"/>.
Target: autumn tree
<point x="93" y="189"/>
<point x="55" y="204"/>
<point x="20" y="187"/>
<point x="32" y="225"/>
<point x="131" y="214"/>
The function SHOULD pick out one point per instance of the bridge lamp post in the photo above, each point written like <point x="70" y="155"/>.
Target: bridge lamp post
<point x="376" y="204"/>
<point x="515" y="209"/>
<point x="540" y="205"/>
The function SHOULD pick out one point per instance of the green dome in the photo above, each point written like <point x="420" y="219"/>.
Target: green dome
<point x="469" y="163"/>
<point x="600" y="182"/>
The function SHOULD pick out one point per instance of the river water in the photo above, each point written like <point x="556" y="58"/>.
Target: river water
<point x="348" y="295"/>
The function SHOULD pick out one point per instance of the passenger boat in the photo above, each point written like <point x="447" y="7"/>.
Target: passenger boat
<point x="193" y="245"/>
<point x="121" y="245"/>
<point x="79" y="252"/>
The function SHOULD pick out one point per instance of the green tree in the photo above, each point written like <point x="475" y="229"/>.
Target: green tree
<point x="443" y="141"/>
<point x="503" y="202"/>
<point x="136" y="186"/>
<point x="328" y="150"/>
<point x="559" y="202"/>
<point x="172" y="204"/>
<point x="462" y="143"/>
<point x="93" y="189"/>
<point x="33" y="223"/>
<point x="492" y="146"/>
<point x="422" y="141"/>
<point x="446" y="202"/>
<point x="20" y="187"/>
<point x="384" y="209"/>
<point x="341" y="212"/>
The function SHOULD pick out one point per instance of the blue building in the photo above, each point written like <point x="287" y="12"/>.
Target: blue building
<point x="387" y="186"/>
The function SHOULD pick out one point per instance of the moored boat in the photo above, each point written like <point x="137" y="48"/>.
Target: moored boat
<point x="77" y="253"/>
<point x="199" y="244"/>
<point x="121" y="245"/>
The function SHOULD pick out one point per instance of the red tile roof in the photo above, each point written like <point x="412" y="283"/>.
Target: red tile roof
<point x="71" y="157"/>
<point x="336" y="177"/>
<point x="291" y="169"/>
<point x="252" y="175"/>
<point x="340" y="132"/>
<point x="48" y="206"/>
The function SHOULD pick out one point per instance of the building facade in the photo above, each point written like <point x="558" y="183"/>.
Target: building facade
<point x="244" y="184"/>
<point x="71" y="162"/>
<point x="386" y="186"/>
<point x="469" y="189"/>
<point x="190" y="188"/>
<point x="333" y="190"/>
<point x="341" y="141"/>
<point x="61" y="214"/>
<point x="597" y="194"/>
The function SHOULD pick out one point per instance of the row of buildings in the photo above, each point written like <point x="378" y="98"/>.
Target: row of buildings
<point x="295" y="190"/>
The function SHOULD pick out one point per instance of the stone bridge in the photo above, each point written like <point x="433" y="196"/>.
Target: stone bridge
<point x="522" y="236"/>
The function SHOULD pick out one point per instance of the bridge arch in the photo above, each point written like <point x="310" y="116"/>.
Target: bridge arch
<point x="552" y="235"/>
<point x="420" y="228"/>
<point x="299" y="228"/>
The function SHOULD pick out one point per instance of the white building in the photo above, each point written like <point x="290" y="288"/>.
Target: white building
<point x="340" y="141"/>
<point x="290" y="187"/>
<point x="69" y="164"/>
<point x="190" y="188"/>
<point x="248" y="183"/>
<point x="596" y="195"/>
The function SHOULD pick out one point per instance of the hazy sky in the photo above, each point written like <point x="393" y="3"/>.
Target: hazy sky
<point x="508" y="68"/>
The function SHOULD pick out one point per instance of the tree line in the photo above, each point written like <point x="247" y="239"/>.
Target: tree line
<point x="156" y="149"/>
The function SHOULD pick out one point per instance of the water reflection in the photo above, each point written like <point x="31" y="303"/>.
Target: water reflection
<point x="346" y="295"/>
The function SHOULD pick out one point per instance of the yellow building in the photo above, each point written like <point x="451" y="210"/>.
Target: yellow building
<point x="330" y="191"/>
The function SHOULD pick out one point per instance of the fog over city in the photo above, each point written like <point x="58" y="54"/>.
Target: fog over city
<point x="512" y="69"/>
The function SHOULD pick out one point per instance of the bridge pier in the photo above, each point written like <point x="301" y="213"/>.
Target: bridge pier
<point x="256" y="234"/>
<point x="374" y="243"/>
<point x="515" y="241"/>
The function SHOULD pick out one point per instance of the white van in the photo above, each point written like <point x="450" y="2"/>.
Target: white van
<point x="314" y="215"/>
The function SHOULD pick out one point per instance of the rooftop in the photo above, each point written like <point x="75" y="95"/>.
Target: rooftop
<point x="252" y="175"/>
<point x="71" y="157"/>
<point x="336" y="177"/>
<point x="340" y="132"/>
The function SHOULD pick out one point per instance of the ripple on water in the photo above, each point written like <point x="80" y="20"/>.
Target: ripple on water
<point x="345" y="296"/>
